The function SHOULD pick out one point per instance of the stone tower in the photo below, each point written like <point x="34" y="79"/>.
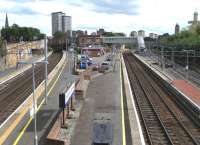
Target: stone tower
<point x="195" y="19"/>
<point x="177" y="28"/>
<point x="6" y="22"/>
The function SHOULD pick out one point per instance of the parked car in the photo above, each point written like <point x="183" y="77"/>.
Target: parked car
<point x="85" y="58"/>
<point x="83" y="65"/>
<point x="105" y="65"/>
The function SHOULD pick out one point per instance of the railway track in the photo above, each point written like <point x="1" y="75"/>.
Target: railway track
<point x="163" y="122"/>
<point x="16" y="90"/>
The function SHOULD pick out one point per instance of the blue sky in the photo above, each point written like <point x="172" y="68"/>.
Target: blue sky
<point x="157" y="16"/>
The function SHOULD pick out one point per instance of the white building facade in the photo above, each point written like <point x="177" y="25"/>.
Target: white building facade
<point x="67" y="25"/>
<point x="62" y="23"/>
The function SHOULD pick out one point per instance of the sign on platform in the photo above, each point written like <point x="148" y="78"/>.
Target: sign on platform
<point x="65" y="97"/>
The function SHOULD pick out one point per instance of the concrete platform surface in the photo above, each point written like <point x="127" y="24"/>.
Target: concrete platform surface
<point x="103" y="105"/>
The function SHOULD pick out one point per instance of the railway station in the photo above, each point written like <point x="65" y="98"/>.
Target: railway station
<point x="130" y="101"/>
<point x="103" y="88"/>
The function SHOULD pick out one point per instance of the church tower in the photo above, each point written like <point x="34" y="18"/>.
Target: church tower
<point x="177" y="29"/>
<point x="195" y="19"/>
<point x="6" y="22"/>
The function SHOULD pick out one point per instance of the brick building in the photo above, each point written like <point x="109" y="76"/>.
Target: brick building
<point x="86" y="40"/>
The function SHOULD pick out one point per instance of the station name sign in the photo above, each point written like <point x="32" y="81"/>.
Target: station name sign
<point x="65" y="97"/>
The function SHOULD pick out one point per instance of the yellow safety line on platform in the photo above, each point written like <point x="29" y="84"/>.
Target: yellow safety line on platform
<point x="122" y="108"/>
<point x="28" y="123"/>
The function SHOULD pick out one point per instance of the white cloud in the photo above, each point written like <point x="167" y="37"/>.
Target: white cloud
<point x="154" y="15"/>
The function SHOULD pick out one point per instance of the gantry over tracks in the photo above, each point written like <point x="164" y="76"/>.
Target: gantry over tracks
<point x="163" y="121"/>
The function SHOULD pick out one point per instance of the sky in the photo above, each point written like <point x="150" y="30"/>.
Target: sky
<point x="153" y="16"/>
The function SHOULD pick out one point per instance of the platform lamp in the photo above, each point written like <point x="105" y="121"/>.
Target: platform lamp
<point x="33" y="63"/>
<point x="46" y="71"/>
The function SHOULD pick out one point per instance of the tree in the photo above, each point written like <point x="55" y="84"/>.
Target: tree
<point x="17" y="33"/>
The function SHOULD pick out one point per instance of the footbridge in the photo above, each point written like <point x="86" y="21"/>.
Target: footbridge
<point x="125" y="40"/>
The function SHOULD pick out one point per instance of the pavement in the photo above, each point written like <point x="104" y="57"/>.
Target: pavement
<point x="46" y="115"/>
<point x="102" y="104"/>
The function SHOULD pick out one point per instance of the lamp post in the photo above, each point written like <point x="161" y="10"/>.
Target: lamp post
<point x="187" y="63"/>
<point x="34" y="106"/>
<point x="33" y="63"/>
<point x="46" y="59"/>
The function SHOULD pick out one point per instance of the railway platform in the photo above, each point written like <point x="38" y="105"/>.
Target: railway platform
<point x="45" y="114"/>
<point x="189" y="89"/>
<point x="102" y="104"/>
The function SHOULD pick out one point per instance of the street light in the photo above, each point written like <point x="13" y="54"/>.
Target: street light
<point x="34" y="100"/>
<point x="187" y="65"/>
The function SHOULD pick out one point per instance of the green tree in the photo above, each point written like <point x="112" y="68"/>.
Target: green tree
<point x="17" y="33"/>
